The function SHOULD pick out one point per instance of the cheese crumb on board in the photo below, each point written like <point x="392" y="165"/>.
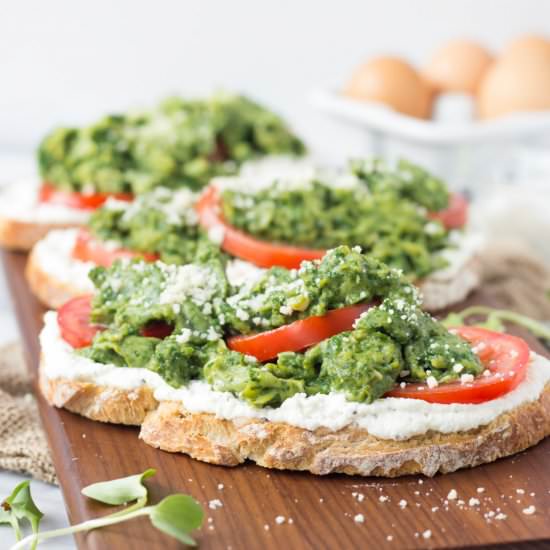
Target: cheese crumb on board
<point x="215" y="503"/>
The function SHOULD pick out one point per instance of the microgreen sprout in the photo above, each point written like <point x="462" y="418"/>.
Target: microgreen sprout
<point x="20" y="505"/>
<point x="176" y="515"/>
<point x="494" y="319"/>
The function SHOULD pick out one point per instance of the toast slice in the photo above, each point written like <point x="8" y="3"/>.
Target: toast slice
<point x="53" y="275"/>
<point x="23" y="235"/>
<point x="168" y="426"/>
<point x="23" y="221"/>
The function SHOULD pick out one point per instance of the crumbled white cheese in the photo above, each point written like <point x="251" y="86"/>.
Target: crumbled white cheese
<point x="184" y="336"/>
<point x="529" y="511"/>
<point x="216" y="234"/>
<point x="240" y="272"/>
<point x="432" y="382"/>
<point x="215" y="503"/>
<point x="178" y="207"/>
<point x="359" y="518"/>
<point x="279" y="520"/>
<point x="190" y="281"/>
<point x="452" y="495"/>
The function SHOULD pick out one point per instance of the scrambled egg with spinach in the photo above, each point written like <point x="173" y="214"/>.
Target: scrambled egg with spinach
<point x="162" y="221"/>
<point x="178" y="143"/>
<point x="384" y="212"/>
<point x="390" y="342"/>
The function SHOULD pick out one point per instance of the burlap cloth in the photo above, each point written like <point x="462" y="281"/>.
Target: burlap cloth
<point x="511" y="278"/>
<point x="23" y="446"/>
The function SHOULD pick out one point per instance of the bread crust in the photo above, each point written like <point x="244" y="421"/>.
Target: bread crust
<point x="52" y="292"/>
<point x="440" y="291"/>
<point x="23" y="235"/>
<point x="100" y="403"/>
<point x="169" y="426"/>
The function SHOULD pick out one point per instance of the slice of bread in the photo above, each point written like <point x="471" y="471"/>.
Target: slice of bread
<point x="169" y="426"/>
<point x="48" y="288"/>
<point x="24" y="220"/>
<point x="443" y="288"/>
<point x="23" y="235"/>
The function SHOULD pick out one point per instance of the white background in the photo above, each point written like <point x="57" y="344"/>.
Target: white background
<point x="69" y="61"/>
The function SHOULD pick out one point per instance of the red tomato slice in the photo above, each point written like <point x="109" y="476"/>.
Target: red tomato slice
<point x="89" y="249"/>
<point x="83" y="201"/>
<point x="506" y="358"/>
<point x="73" y="319"/>
<point x="455" y="215"/>
<point x="241" y="245"/>
<point x="297" y="335"/>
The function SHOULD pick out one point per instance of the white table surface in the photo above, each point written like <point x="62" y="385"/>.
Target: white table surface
<point x="47" y="497"/>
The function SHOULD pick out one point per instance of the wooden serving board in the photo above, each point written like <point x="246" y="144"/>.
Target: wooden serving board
<point x="319" y="512"/>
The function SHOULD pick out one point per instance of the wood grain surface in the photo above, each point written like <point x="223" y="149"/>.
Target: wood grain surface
<point x="319" y="512"/>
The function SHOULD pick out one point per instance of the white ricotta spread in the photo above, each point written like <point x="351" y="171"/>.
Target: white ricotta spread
<point x="18" y="201"/>
<point x="388" y="418"/>
<point x="53" y="255"/>
<point x="464" y="246"/>
<point x="455" y="281"/>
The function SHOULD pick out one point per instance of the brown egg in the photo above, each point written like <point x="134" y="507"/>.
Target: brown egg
<point x="527" y="46"/>
<point x="394" y="82"/>
<point x="515" y="83"/>
<point x="458" y="66"/>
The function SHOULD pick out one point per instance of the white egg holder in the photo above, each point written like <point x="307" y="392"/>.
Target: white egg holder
<point x="469" y="154"/>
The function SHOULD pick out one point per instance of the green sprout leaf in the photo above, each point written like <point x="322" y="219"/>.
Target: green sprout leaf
<point x="494" y="319"/>
<point x="120" y="491"/>
<point x="5" y="516"/>
<point x="177" y="516"/>
<point x="20" y="505"/>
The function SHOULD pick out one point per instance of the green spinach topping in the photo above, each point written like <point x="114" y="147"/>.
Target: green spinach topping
<point x="386" y="217"/>
<point x="161" y="221"/>
<point x="178" y="143"/>
<point x="407" y="181"/>
<point x="394" y="341"/>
